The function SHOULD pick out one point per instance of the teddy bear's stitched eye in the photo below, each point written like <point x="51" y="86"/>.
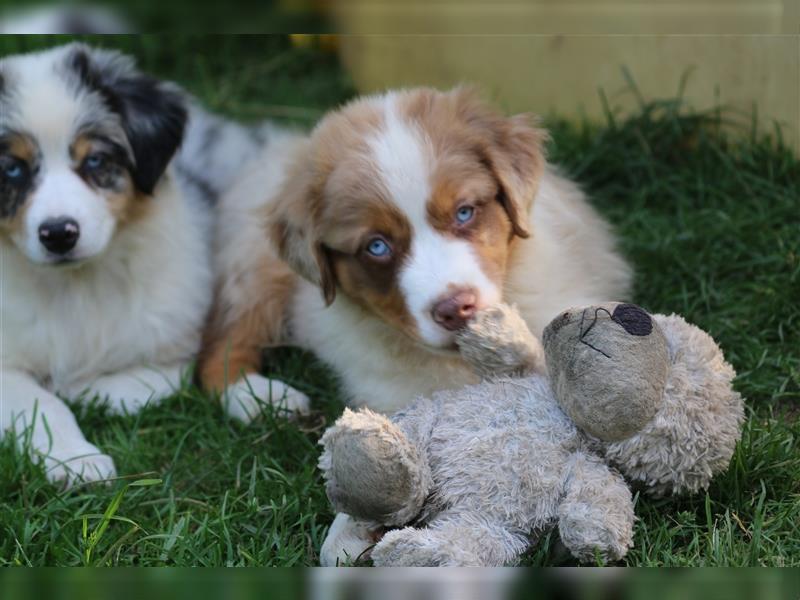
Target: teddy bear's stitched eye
<point x="633" y="319"/>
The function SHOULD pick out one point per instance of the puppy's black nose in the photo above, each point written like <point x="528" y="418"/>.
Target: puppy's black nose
<point x="59" y="235"/>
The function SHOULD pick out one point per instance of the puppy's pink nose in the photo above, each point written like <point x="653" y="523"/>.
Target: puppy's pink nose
<point x="453" y="312"/>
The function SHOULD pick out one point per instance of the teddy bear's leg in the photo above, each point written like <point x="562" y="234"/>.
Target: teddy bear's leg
<point x="451" y="539"/>
<point x="372" y="470"/>
<point x="497" y="342"/>
<point x="595" y="519"/>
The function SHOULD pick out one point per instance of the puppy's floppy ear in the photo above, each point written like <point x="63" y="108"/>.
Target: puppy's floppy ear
<point x="153" y="113"/>
<point x="517" y="160"/>
<point x="293" y="227"/>
<point x="512" y="147"/>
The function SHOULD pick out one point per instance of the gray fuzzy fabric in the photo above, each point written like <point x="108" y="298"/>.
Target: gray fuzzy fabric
<point x="477" y="474"/>
<point x="500" y="456"/>
<point x="694" y="434"/>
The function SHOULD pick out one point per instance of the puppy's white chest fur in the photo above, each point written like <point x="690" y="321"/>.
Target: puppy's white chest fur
<point x="145" y="298"/>
<point x="379" y="367"/>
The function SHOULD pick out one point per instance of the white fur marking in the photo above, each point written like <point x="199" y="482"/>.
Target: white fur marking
<point x="435" y="266"/>
<point x="436" y="262"/>
<point x="400" y="155"/>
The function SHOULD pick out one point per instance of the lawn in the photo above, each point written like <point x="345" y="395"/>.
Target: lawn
<point x="710" y="220"/>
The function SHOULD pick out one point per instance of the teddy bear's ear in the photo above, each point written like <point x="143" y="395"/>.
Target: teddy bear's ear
<point x="693" y="436"/>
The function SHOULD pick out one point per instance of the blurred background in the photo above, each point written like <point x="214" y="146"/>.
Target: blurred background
<point x="539" y="55"/>
<point x="554" y="55"/>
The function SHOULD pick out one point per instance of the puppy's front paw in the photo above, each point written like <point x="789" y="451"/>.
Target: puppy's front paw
<point x="245" y="399"/>
<point x="497" y="341"/>
<point x="82" y="463"/>
<point x="128" y="392"/>
<point x="121" y="394"/>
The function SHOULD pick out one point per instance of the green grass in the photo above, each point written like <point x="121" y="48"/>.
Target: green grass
<point x="712" y="224"/>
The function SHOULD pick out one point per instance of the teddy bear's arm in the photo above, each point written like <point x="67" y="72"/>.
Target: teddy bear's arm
<point x="350" y="537"/>
<point x="452" y="539"/>
<point x="498" y="342"/>
<point x="596" y="517"/>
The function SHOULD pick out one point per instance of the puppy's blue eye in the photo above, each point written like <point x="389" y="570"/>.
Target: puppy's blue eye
<point x="465" y="214"/>
<point x="379" y="248"/>
<point x="94" y="161"/>
<point x="15" y="171"/>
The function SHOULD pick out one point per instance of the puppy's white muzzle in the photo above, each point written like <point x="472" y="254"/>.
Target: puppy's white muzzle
<point x="438" y="275"/>
<point x="65" y="222"/>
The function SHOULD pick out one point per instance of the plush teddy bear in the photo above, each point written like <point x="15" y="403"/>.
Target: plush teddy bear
<point x="475" y="476"/>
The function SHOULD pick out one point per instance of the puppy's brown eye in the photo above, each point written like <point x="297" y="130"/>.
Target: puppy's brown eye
<point x="465" y="214"/>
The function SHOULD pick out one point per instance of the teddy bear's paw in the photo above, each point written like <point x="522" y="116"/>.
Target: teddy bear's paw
<point x="411" y="547"/>
<point x="497" y="342"/>
<point x="595" y="519"/>
<point x="371" y="469"/>
<point x="451" y="539"/>
<point x="601" y="542"/>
